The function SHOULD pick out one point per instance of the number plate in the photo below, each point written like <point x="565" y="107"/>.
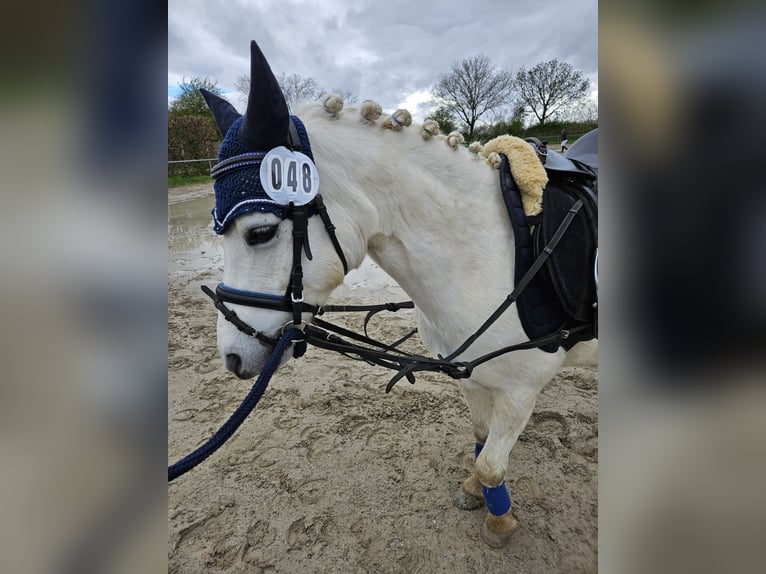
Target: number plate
<point x="289" y="176"/>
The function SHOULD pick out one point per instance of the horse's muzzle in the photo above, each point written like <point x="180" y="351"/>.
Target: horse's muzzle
<point x="233" y="363"/>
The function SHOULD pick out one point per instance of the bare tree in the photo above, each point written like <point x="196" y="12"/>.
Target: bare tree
<point x="242" y="85"/>
<point x="550" y="87"/>
<point x="295" y="87"/>
<point x="472" y="88"/>
<point x="348" y="96"/>
<point x="585" y="111"/>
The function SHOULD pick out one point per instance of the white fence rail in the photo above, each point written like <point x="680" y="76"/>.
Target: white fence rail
<point x="210" y="161"/>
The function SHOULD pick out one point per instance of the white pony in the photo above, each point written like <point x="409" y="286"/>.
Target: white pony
<point x="431" y="216"/>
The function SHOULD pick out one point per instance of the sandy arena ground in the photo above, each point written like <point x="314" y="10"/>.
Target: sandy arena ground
<point x="330" y="474"/>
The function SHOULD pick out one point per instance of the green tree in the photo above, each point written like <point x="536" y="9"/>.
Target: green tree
<point x="509" y="127"/>
<point x="191" y="137"/>
<point x="549" y="88"/>
<point x="190" y="102"/>
<point x="473" y="88"/>
<point x="443" y="117"/>
<point x="192" y="132"/>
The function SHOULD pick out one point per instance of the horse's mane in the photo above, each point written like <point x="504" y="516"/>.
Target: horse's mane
<point x="431" y="149"/>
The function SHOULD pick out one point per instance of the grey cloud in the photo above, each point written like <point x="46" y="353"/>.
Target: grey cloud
<point x="379" y="50"/>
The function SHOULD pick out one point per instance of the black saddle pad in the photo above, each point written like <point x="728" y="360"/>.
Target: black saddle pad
<point x="562" y="295"/>
<point x="570" y="269"/>
<point x="539" y="311"/>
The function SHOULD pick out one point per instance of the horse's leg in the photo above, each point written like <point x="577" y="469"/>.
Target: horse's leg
<point x="511" y="411"/>
<point x="469" y="495"/>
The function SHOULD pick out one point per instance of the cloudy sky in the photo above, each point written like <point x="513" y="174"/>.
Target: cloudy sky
<point x="392" y="51"/>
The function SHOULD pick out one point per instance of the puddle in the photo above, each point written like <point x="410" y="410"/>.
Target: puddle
<point x="192" y="244"/>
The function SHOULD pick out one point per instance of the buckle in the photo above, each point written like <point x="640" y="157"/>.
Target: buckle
<point x="300" y="326"/>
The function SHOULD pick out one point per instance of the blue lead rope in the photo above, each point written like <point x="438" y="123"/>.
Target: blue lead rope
<point x="238" y="417"/>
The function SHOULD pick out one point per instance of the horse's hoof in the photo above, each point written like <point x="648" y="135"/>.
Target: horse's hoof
<point x="469" y="496"/>
<point x="464" y="501"/>
<point x="497" y="530"/>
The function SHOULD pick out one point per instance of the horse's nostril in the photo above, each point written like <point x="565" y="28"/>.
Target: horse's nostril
<point x="233" y="362"/>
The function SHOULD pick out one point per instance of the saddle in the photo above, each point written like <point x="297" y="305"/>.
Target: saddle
<point x="563" y="295"/>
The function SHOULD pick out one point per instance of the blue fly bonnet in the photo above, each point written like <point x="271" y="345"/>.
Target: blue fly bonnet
<point x="252" y="143"/>
<point x="238" y="188"/>
<point x="265" y="126"/>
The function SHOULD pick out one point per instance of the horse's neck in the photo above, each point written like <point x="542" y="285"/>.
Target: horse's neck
<point x="431" y="216"/>
<point x="437" y="235"/>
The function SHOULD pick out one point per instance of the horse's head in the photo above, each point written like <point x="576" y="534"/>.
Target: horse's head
<point x="266" y="193"/>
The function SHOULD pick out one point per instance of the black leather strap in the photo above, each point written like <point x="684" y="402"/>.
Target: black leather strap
<point x="251" y="299"/>
<point x="293" y="138"/>
<point x="231" y="316"/>
<point x="325" y="217"/>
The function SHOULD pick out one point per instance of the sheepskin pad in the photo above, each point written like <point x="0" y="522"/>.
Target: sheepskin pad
<point x="528" y="173"/>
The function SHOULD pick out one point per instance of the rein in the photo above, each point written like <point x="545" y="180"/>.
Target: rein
<point x="238" y="417"/>
<point x="406" y="364"/>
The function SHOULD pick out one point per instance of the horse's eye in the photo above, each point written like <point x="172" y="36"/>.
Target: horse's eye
<point x="260" y="234"/>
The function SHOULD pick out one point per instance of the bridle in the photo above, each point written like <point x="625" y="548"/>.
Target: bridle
<point x="292" y="300"/>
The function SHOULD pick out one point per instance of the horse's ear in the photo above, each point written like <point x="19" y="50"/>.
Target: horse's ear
<point x="267" y="118"/>
<point x="223" y="112"/>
